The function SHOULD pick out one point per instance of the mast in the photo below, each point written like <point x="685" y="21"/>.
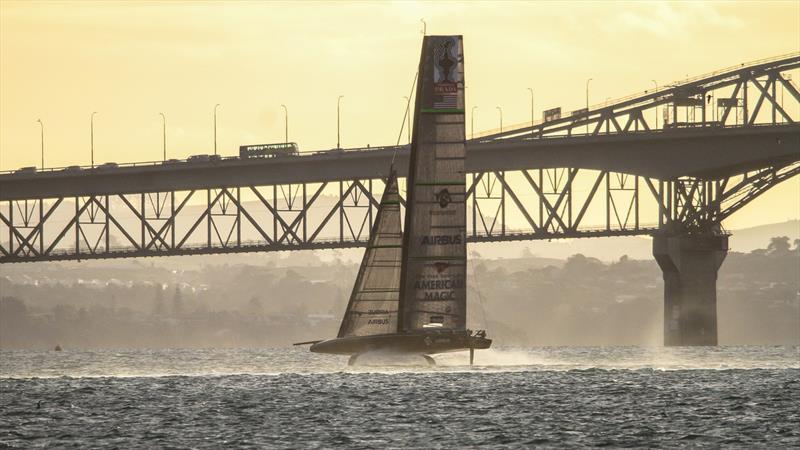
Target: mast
<point x="433" y="279"/>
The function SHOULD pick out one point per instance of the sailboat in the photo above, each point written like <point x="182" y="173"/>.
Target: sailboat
<point x="410" y="292"/>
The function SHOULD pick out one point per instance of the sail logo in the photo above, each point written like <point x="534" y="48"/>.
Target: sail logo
<point x="441" y="266"/>
<point x="440" y="295"/>
<point x="443" y="198"/>
<point x="451" y="239"/>
<point x="446" y="76"/>
<point x="447" y="283"/>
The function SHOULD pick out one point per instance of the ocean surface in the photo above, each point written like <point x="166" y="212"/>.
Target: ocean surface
<point x="726" y="397"/>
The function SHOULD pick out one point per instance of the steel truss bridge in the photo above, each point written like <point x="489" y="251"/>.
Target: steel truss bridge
<point x="609" y="170"/>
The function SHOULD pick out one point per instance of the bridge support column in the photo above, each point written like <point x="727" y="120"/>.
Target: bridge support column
<point x="690" y="264"/>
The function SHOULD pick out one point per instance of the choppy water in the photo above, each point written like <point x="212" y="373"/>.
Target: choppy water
<point x="719" y="397"/>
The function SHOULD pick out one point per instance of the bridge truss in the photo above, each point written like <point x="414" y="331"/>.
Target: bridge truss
<point x="502" y="206"/>
<point x="533" y="201"/>
<point x="745" y="95"/>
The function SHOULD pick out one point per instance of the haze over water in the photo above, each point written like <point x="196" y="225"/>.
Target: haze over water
<point x="569" y="396"/>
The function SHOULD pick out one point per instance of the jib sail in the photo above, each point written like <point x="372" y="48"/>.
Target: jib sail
<point x="374" y="301"/>
<point x="433" y="291"/>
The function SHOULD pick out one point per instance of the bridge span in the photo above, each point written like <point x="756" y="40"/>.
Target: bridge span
<point x="608" y="170"/>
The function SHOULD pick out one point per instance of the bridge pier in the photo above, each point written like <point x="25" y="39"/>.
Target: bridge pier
<point x="689" y="264"/>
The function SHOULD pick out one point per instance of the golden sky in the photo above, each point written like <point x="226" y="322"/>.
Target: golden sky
<point x="59" y="61"/>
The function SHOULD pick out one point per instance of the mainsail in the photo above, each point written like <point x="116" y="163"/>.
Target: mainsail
<point x="433" y="291"/>
<point x="374" y="301"/>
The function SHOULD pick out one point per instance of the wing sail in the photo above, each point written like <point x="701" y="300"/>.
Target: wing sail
<point x="433" y="291"/>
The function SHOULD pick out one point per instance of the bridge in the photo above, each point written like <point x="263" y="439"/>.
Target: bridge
<point x="607" y="170"/>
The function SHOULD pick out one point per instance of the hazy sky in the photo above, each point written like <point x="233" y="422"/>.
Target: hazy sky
<point x="129" y="61"/>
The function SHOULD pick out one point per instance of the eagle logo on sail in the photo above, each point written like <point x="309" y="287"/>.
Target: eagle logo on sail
<point x="443" y="198"/>
<point x="441" y="266"/>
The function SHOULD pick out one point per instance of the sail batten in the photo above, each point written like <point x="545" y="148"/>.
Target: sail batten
<point x="373" y="305"/>
<point x="433" y="285"/>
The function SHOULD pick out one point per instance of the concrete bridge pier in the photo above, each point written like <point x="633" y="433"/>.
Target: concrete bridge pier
<point x="690" y="264"/>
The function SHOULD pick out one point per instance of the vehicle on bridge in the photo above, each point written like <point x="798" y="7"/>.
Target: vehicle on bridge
<point x="108" y="166"/>
<point x="706" y="124"/>
<point x="73" y="169"/>
<point x="203" y="158"/>
<point x="268" y="150"/>
<point x="25" y="170"/>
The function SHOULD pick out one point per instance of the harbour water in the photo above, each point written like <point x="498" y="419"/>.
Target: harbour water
<point x="617" y="396"/>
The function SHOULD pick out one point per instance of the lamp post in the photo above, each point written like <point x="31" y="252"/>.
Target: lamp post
<point x="587" y="105"/>
<point x="285" y="124"/>
<point x="164" y="133"/>
<point x="501" y="117"/>
<point x="338" y="121"/>
<point x="656" y="83"/>
<point x="91" y="128"/>
<point x="41" y="125"/>
<point x="472" y="122"/>
<point x="531" y="91"/>
<point x="215" y="127"/>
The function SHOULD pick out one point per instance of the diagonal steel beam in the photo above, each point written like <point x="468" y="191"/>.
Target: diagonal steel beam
<point x="143" y="219"/>
<point x="250" y="219"/>
<point x="304" y="212"/>
<point x="171" y="221"/>
<point x="66" y="228"/>
<point x="276" y="214"/>
<point x="331" y="213"/>
<point x="199" y="220"/>
<point x="517" y="202"/>
<point x="773" y="101"/>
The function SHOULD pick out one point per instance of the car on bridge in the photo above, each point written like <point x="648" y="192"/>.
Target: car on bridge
<point x="73" y="169"/>
<point x="26" y="170"/>
<point x="203" y="158"/>
<point x="108" y="166"/>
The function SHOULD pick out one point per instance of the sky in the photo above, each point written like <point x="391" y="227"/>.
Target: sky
<point x="129" y="61"/>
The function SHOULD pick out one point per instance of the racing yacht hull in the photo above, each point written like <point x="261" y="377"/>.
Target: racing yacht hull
<point x="421" y="343"/>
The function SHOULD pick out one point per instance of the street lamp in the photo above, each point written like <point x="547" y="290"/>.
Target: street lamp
<point x="164" y="133"/>
<point x="587" y="105"/>
<point x="472" y="122"/>
<point x="215" y="127"/>
<point x="285" y="124"/>
<point x="407" y="119"/>
<point x="91" y="127"/>
<point x="42" y="127"/>
<point x="656" y="83"/>
<point x="501" y="117"/>
<point x="531" y="91"/>
<point x="338" y="121"/>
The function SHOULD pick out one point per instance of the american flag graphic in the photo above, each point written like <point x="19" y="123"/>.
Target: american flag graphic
<point x="446" y="101"/>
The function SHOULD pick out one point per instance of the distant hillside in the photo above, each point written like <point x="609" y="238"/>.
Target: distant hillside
<point x="743" y="240"/>
<point x="749" y="239"/>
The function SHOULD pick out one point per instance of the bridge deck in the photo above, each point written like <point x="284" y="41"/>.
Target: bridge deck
<point x="704" y="152"/>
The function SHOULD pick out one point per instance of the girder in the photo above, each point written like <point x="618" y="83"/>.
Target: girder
<point x="502" y="206"/>
<point x="608" y="170"/>
<point x="641" y="111"/>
